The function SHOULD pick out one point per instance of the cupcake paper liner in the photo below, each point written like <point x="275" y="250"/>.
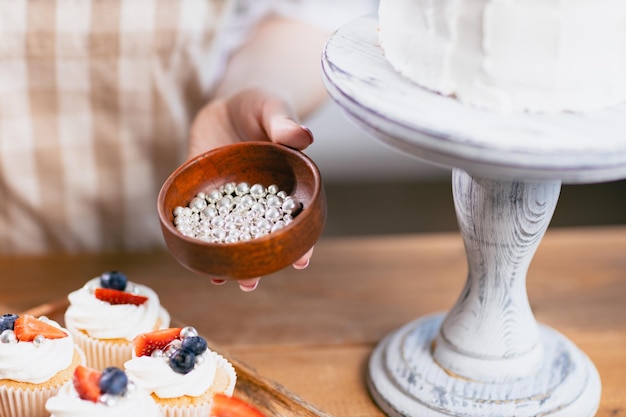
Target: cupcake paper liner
<point x="101" y="353"/>
<point x="17" y="401"/>
<point x="202" y="410"/>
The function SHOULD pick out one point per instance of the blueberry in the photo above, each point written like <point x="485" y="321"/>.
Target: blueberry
<point x="7" y="321"/>
<point x="182" y="361"/>
<point x="194" y="344"/>
<point x="113" y="279"/>
<point x="113" y="381"/>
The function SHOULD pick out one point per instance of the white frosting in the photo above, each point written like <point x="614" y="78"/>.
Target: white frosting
<point x="27" y="362"/>
<point x="103" y="320"/>
<point x="156" y="376"/>
<point x="511" y="55"/>
<point x="67" y="403"/>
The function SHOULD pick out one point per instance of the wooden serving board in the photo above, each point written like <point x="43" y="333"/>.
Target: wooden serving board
<point x="268" y="396"/>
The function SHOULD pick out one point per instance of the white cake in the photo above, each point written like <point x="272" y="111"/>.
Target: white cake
<point x="511" y="55"/>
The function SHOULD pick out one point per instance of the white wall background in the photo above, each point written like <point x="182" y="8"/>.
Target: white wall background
<point x="345" y="153"/>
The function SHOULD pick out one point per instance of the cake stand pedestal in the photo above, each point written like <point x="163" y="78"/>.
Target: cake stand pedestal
<point x="487" y="356"/>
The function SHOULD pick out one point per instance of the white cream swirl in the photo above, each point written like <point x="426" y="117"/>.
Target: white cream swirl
<point x="67" y="403"/>
<point x="155" y="376"/>
<point x="103" y="320"/>
<point x="30" y="362"/>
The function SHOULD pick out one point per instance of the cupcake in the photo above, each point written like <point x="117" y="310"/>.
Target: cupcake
<point x="109" y="393"/>
<point x="175" y="366"/>
<point x="37" y="357"/>
<point x="107" y="313"/>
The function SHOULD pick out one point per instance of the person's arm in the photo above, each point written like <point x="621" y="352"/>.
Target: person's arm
<point x="283" y="57"/>
<point x="270" y="83"/>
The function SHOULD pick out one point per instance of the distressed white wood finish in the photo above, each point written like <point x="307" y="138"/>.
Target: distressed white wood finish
<point x="491" y="333"/>
<point x="573" y="148"/>
<point x="487" y="356"/>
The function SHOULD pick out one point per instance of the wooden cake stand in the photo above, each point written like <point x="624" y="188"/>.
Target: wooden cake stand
<point x="487" y="356"/>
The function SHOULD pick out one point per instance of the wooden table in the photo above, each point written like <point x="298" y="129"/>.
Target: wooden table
<point x="312" y="331"/>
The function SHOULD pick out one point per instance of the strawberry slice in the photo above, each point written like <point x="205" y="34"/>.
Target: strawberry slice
<point x="119" y="297"/>
<point x="225" y="406"/>
<point x="28" y="327"/>
<point x="146" y="343"/>
<point x="86" y="382"/>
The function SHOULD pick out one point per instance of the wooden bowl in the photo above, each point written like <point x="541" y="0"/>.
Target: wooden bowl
<point x="265" y="163"/>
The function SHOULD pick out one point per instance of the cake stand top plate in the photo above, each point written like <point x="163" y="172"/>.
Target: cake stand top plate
<point x="575" y="148"/>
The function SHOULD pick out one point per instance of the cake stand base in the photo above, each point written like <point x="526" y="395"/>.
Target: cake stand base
<point x="487" y="356"/>
<point x="405" y="380"/>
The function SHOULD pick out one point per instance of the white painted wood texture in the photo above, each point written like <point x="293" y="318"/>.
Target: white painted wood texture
<point x="491" y="334"/>
<point x="487" y="356"/>
<point x="573" y="148"/>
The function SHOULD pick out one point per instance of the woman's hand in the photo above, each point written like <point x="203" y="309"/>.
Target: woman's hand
<point x="249" y="115"/>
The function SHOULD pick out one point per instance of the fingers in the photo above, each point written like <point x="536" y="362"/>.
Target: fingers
<point x="245" y="285"/>
<point x="250" y="115"/>
<point x="251" y="284"/>
<point x="258" y="115"/>
<point x="303" y="262"/>
<point x="282" y="127"/>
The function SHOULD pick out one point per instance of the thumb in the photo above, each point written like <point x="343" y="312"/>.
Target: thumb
<point x="282" y="127"/>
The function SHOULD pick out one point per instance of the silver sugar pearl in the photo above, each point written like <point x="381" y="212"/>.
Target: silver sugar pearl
<point x="230" y="188"/>
<point x="200" y="359"/>
<point x="273" y="213"/>
<point x="230" y="225"/>
<point x="265" y="224"/>
<point x="169" y="351"/>
<point x="261" y="233"/>
<point x="218" y="234"/>
<point x="177" y="210"/>
<point x="205" y="238"/>
<point x="274" y="201"/>
<point x="39" y="340"/>
<point x="257" y="191"/>
<point x="185" y="229"/>
<point x="209" y="211"/>
<point x="282" y="194"/>
<point x="243" y="188"/>
<point x="218" y="221"/>
<point x="201" y="195"/>
<point x="277" y="226"/>
<point x="8" y="336"/>
<point x="197" y="204"/>
<point x="176" y="343"/>
<point x="231" y="238"/>
<point x="225" y="201"/>
<point x="273" y="189"/>
<point x="258" y="209"/>
<point x="246" y="201"/>
<point x="132" y="288"/>
<point x="188" y="332"/>
<point x="157" y="353"/>
<point x="291" y="206"/>
<point x="130" y="388"/>
<point x="91" y="286"/>
<point x="180" y="220"/>
<point x="213" y="196"/>
<point x="108" y="400"/>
